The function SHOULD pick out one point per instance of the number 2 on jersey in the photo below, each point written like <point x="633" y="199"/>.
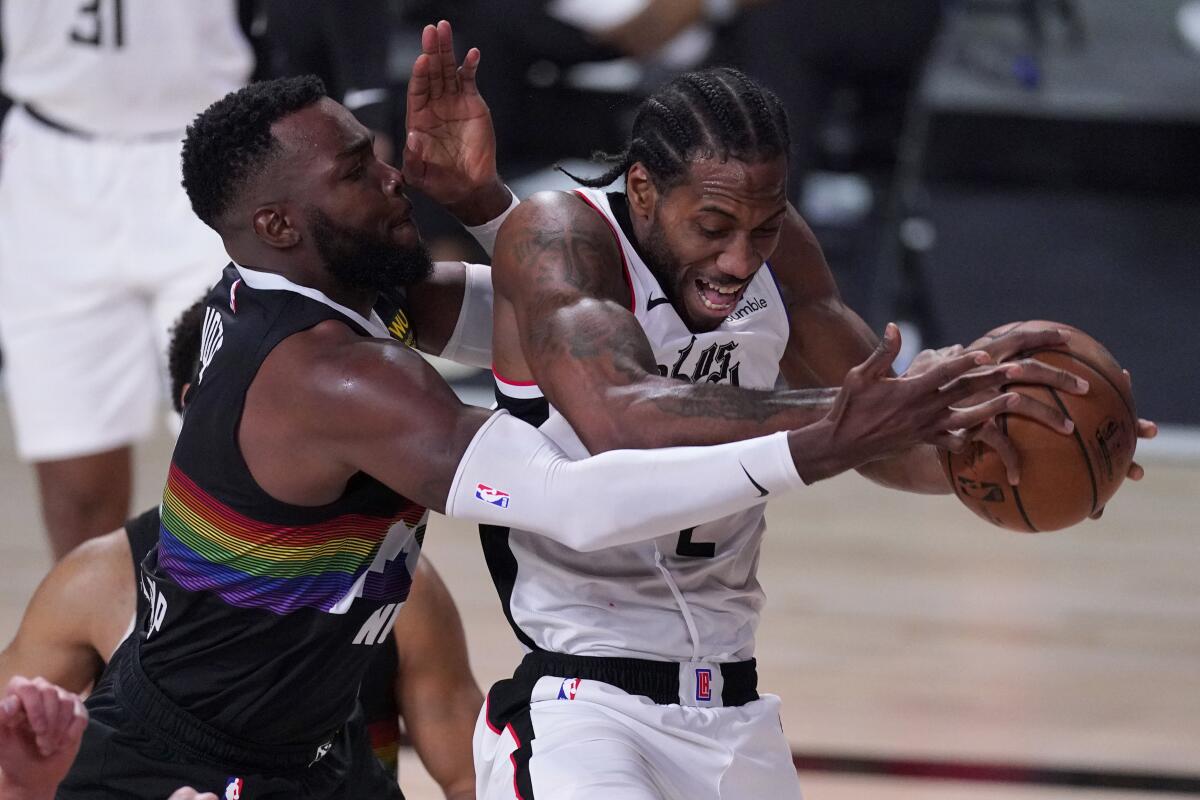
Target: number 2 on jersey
<point x="101" y="24"/>
<point x="689" y="549"/>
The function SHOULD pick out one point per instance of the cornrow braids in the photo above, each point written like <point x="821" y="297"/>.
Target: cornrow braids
<point x="717" y="112"/>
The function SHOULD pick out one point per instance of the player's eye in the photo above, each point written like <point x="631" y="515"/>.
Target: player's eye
<point x="766" y="233"/>
<point x="711" y="233"/>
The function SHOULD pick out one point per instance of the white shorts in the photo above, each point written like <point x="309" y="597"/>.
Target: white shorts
<point x="571" y="739"/>
<point x="99" y="253"/>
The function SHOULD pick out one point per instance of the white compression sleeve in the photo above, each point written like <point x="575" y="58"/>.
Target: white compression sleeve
<point x="485" y="234"/>
<point x="515" y="476"/>
<point x="471" y="341"/>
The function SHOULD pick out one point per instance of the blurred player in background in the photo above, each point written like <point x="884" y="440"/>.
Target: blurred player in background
<point x="99" y="250"/>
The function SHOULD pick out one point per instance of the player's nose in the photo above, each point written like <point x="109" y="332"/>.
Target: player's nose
<point x="739" y="260"/>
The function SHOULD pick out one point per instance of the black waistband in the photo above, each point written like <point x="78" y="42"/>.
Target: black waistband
<point x="657" y="680"/>
<point x="194" y="737"/>
<point x="70" y="130"/>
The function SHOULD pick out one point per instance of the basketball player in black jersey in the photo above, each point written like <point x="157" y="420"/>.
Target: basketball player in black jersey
<point x="66" y="636"/>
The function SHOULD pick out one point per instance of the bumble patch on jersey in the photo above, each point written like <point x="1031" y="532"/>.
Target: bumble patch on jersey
<point x="401" y="329"/>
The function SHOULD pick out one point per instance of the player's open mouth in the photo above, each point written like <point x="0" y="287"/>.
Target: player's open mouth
<point x="720" y="299"/>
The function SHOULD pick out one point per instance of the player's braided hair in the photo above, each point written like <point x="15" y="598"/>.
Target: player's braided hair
<point x="717" y="112"/>
<point x="230" y="141"/>
<point x="183" y="351"/>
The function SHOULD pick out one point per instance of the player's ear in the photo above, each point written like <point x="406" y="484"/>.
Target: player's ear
<point x="640" y="191"/>
<point x="274" y="226"/>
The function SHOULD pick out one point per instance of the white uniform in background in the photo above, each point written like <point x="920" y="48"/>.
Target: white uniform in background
<point x="99" y="249"/>
<point x="690" y="601"/>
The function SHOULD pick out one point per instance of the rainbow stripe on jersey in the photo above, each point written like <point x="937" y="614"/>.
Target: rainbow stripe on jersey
<point x="207" y="546"/>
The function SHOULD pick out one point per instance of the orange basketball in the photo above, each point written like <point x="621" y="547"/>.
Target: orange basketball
<point x="1064" y="477"/>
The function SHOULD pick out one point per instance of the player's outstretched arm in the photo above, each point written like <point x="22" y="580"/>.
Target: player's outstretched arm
<point x="41" y="727"/>
<point x="338" y="404"/>
<point x="558" y="279"/>
<point x="828" y="339"/>
<point x="60" y="635"/>
<point x="435" y="691"/>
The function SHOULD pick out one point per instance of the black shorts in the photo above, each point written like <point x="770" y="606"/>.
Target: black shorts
<point x="139" y="746"/>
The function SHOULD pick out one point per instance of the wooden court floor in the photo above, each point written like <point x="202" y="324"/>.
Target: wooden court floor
<point x="899" y="627"/>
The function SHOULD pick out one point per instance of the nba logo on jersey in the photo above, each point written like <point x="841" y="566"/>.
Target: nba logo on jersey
<point x="569" y="688"/>
<point x="703" y="685"/>
<point x="233" y="789"/>
<point x="489" y="495"/>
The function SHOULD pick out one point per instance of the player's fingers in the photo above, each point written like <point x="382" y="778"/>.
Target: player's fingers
<point x="433" y="56"/>
<point x="880" y="361"/>
<point x="1136" y="472"/>
<point x="1032" y="371"/>
<point x="1098" y="513"/>
<point x="466" y="73"/>
<point x="951" y="368"/>
<point x="449" y="64"/>
<point x="1013" y="342"/>
<point x="28" y="693"/>
<point x="418" y="85"/>
<point x="990" y="434"/>
<point x="976" y="415"/>
<point x="188" y="793"/>
<point x="954" y="441"/>
<point x="1051" y="416"/>
<point x="11" y="712"/>
<point x="1146" y="429"/>
<point x="974" y="381"/>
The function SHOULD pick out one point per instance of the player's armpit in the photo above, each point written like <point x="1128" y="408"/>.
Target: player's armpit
<point x="452" y="313"/>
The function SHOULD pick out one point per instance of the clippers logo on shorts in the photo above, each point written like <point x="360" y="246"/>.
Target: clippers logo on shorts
<point x="158" y="606"/>
<point x="211" y="339"/>
<point x="569" y="688"/>
<point x="233" y="789"/>
<point x="489" y="495"/>
<point x="703" y="685"/>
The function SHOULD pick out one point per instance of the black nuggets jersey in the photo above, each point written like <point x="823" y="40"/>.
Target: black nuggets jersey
<point x="264" y="615"/>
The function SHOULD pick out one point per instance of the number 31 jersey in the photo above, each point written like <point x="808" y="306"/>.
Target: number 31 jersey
<point x="122" y="68"/>
<point x="693" y="594"/>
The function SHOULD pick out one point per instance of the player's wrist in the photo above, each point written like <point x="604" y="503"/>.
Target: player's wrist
<point x="482" y="204"/>
<point x="817" y="451"/>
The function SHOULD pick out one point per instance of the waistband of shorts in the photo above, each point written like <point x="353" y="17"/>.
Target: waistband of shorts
<point x="70" y="130"/>
<point x="657" y="680"/>
<point x="138" y="694"/>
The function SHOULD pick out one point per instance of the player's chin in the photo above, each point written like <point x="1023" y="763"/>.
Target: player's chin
<point x="405" y="234"/>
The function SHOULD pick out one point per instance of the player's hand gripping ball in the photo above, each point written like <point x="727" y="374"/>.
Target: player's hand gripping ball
<point x="1065" y="478"/>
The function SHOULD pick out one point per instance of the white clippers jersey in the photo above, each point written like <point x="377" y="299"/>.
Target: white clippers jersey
<point x="690" y="595"/>
<point x="122" y="68"/>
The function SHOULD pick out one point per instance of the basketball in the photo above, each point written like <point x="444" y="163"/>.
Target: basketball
<point x="1064" y="477"/>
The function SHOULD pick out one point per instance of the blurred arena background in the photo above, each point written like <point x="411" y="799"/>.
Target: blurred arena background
<point x="964" y="163"/>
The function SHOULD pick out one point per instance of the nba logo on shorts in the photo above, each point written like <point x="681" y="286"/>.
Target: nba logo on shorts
<point x="703" y="684"/>
<point x="489" y="495"/>
<point x="569" y="689"/>
<point x="233" y="789"/>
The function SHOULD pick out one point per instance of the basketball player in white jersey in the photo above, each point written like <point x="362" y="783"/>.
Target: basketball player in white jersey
<point x="99" y="250"/>
<point x="668" y="314"/>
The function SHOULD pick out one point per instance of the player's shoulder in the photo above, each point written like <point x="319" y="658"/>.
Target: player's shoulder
<point x="327" y="371"/>
<point x="555" y="211"/>
<point x="93" y="569"/>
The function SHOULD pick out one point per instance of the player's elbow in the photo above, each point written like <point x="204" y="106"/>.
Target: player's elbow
<point x="624" y="418"/>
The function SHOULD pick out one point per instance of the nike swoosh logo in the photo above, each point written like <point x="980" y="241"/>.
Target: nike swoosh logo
<point x="761" y="491"/>
<point x="655" y="301"/>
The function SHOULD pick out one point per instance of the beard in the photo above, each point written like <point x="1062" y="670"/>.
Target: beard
<point x="360" y="260"/>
